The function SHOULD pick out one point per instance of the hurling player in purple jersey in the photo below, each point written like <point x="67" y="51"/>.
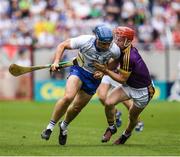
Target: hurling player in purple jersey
<point x="135" y="79"/>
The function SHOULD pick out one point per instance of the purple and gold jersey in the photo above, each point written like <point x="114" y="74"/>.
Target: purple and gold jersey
<point x="133" y="65"/>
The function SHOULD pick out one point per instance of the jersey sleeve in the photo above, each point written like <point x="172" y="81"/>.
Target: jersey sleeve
<point x="78" y="42"/>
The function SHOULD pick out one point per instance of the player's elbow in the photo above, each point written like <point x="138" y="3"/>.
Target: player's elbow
<point x="64" y="45"/>
<point x="61" y="47"/>
<point x="122" y="80"/>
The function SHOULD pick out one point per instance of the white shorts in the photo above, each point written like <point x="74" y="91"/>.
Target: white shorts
<point x="140" y="96"/>
<point x="108" y="80"/>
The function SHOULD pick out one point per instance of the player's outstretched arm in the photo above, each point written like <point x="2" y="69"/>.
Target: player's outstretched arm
<point x="59" y="52"/>
<point x="121" y="78"/>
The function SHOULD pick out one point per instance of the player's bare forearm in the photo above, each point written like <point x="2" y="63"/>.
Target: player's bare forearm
<point x="117" y="77"/>
<point x="59" y="52"/>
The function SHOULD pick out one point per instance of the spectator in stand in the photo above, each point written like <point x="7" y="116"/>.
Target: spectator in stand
<point x="176" y="35"/>
<point x="128" y="10"/>
<point x="14" y="11"/>
<point x="113" y="9"/>
<point x="24" y="6"/>
<point x="145" y="37"/>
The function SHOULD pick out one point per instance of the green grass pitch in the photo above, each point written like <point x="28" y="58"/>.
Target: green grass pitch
<point x="21" y="124"/>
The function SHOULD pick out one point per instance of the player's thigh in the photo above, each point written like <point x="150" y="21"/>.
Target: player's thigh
<point x="81" y="99"/>
<point x="73" y="85"/>
<point x="128" y="103"/>
<point x="117" y="95"/>
<point x="102" y="90"/>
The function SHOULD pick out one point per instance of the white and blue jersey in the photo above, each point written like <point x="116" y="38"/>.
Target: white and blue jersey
<point x="86" y="45"/>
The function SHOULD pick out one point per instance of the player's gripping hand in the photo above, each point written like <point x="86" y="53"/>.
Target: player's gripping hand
<point x="98" y="75"/>
<point x="54" y="67"/>
<point x="101" y="67"/>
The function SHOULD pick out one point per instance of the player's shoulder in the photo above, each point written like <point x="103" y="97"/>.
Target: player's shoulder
<point x="87" y="37"/>
<point x="134" y="49"/>
<point x="134" y="55"/>
<point x="79" y="41"/>
<point x="134" y="52"/>
<point x="115" y="48"/>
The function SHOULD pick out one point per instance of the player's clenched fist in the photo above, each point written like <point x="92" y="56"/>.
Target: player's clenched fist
<point x="98" y="75"/>
<point x="54" y="66"/>
<point x="100" y="67"/>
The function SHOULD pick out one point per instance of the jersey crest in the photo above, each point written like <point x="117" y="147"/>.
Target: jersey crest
<point x="91" y="55"/>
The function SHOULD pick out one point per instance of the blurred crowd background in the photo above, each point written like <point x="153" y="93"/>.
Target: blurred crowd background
<point x="45" y="23"/>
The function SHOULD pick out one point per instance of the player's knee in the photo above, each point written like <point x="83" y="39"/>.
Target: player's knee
<point x="68" y="99"/>
<point x="127" y="103"/>
<point x="108" y="103"/>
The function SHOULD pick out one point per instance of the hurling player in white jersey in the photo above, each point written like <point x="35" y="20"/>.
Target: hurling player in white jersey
<point x="83" y="81"/>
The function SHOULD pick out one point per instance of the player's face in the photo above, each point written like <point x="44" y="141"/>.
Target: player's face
<point x="103" y="46"/>
<point x="120" y="41"/>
